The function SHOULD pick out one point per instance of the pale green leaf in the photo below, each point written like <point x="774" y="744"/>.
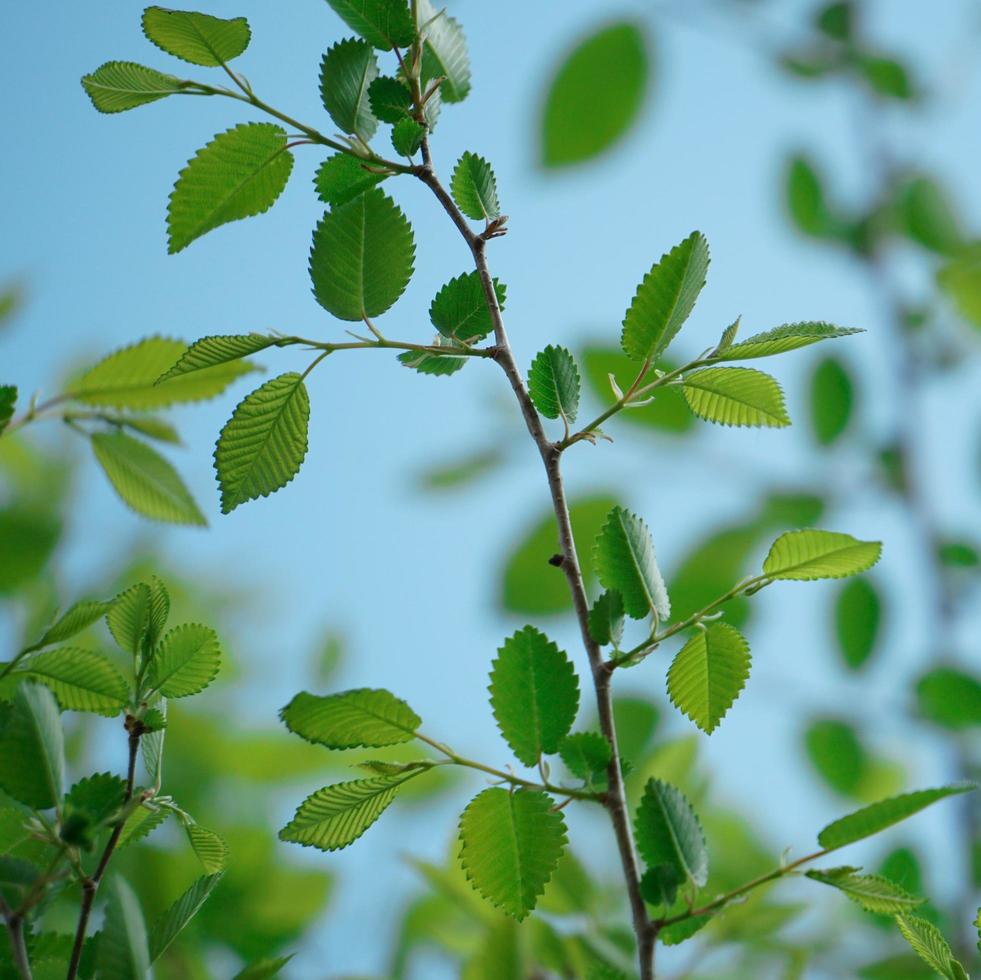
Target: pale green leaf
<point x="873" y="892"/>
<point x="668" y="832"/>
<point x="209" y="351"/>
<point x="779" y="340"/>
<point x="385" y="24"/>
<point x="389" y="98"/>
<point x="81" y="680"/>
<point x="123" y="952"/>
<point x="129" y="617"/>
<point x="811" y="554"/>
<point x="554" y="384"/>
<point x="196" y="38"/>
<point x="240" y="173"/>
<point x="346" y="72"/>
<point x="474" y="188"/>
<point x="444" y="53"/>
<point x="140" y="824"/>
<point x="928" y="216"/>
<point x="159" y="611"/>
<point x="625" y="562"/>
<point x="960" y="279"/>
<point x="606" y="619"/>
<point x="32" y="751"/>
<point x="438" y="365"/>
<point x="187" y="661"/>
<point x="735" y="396"/>
<point x="459" y="310"/>
<point x="361" y="717"/>
<point x="152" y="743"/>
<point x="77" y="618"/>
<point x="120" y="85"/>
<point x="928" y="943"/>
<point x="263" y="969"/>
<point x="407" y="136"/>
<point x="169" y="926"/>
<point x="210" y="848"/>
<point x="510" y="845"/>
<point x="585" y="754"/>
<point x="264" y="443"/>
<point x="342" y="178"/>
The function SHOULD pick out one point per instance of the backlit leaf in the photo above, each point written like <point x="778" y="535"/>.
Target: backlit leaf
<point x="361" y="717"/>
<point x="129" y="617"/>
<point x="81" y="680"/>
<point x="735" y="396"/>
<point x="779" y="340"/>
<point x="118" y="86"/>
<point x="186" y="661"/>
<point x="554" y="384"/>
<point x="474" y="188"/>
<point x="74" y="620"/>
<point x="873" y="892"/>
<point x="929" y="944"/>
<point x="625" y="562"/>
<point x="346" y="72"/>
<point x="810" y="554"/>
<point x="196" y="38"/>
<point x="210" y="848"/>
<point x="668" y="832"/>
<point x="960" y="279"/>
<point x="209" y="351"/>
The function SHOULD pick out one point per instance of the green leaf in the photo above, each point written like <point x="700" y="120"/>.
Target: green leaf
<point x="960" y="279"/>
<point x="338" y="815"/>
<point x="144" y="480"/>
<point x="837" y="754"/>
<point x="32" y="751"/>
<point x="949" y="697"/>
<point x="708" y="673"/>
<point x="81" y="680"/>
<point x="803" y="556"/>
<point x="346" y="72"/>
<point x="665" y="298"/>
<point x="407" y="136"/>
<point x="196" y="38"/>
<point x="129" y="617"/>
<point x="239" y="174"/>
<point x="677" y="933"/>
<point x="170" y="925"/>
<point x="263" y="969"/>
<point x="120" y="85"/>
<point x="606" y="619"/>
<point x="873" y="892"/>
<point x="510" y="844"/>
<point x="928" y="217"/>
<point x="8" y="399"/>
<point x="459" y="310"/>
<point x="444" y="53"/>
<point x="625" y="562"/>
<point x="140" y="824"/>
<point x="262" y="446"/>
<point x="361" y="717"/>
<point x="836" y="20"/>
<point x="929" y="944"/>
<point x="554" y="384"/>
<point x="534" y="693"/>
<point x="668" y="832"/>
<point x="77" y="618"/>
<point x="98" y="796"/>
<point x="735" y="396"/>
<point x="806" y="200"/>
<point x="389" y="98"/>
<point x="474" y="188"/>
<point x="871" y="819"/>
<point x="858" y="612"/>
<point x="438" y="365"/>
<point x="210" y="848"/>
<point x="123" y="953"/>
<point x="152" y="743"/>
<point x="831" y="397"/>
<point x="585" y="754"/>
<point x="385" y="24"/>
<point x="779" y="340"/>
<point x="186" y="661"/>
<point x="342" y="178"/>
<point x="159" y="611"/>
<point x="362" y="256"/>
<point x="886" y="77"/>
<point x="209" y="351"/>
<point x="152" y="428"/>
<point x="596" y="95"/>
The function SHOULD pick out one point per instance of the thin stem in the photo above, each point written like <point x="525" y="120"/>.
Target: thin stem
<point x="18" y="943"/>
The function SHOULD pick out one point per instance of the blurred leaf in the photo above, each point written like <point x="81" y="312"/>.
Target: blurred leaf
<point x="949" y="697"/>
<point x="123" y="951"/>
<point x="896" y="968"/>
<point x="346" y="72"/>
<point x="29" y="537"/>
<point x="831" y="398"/>
<point x="8" y="399"/>
<point x="886" y="77"/>
<point x="807" y="202"/>
<point x="927" y="216"/>
<point x="958" y="554"/>
<point x="835" y="19"/>
<point x="837" y="754"/>
<point x="199" y="39"/>
<point x="461" y="472"/>
<point x="960" y="279"/>
<point x="636" y="720"/>
<point x="858" y="612"/>
<point x="263" y="969"/>
<point x="32" y="749"/>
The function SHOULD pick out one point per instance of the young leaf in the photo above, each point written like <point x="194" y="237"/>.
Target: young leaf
<point x="144" y="480"/>
<point x="159" y="611"/>
<point x="389" y="98"/>
<point x="439" y="365"/>
<point x="475" y="188"/>
<point x="858" y="610"/>
<point x="785" y="338"/>
<point x="123" y="953"/>
<point x="351" y="719"/>
<point x="199" y="39"/>
<point x="264" y="443"/>
<point x="342" y="178"/>
<point x="873" y="892"/>
<point x="444" y="53"/>
<point x="407" y="137"/>
<point x="338" y="815"/>
<point x="708" y="673"/>
<point x="8" y="399"/>
<point x="129" y="617"/>
<point x="32" y="749"/>
<point x="209" y="351"/>
<point x="385" y="24"/>
<point x="510" y="844"/>
<point x="807" y="555"/>
<point x="210" y="848"/>
<point x="362" y="256"/>
<point x="735" y="396"/>
<point x="459" y="310"/>
<point x="347" y="69"/>
<point x="606" y="619"/>
<point x="871" y="819"/>
<point x="534" y="693"/>
<point x="152" y="743"/>
<point x="929" y="944"/>
<point x="625" y="562"/>
<point x="77" y="618"/>
<point x="186" y="661"/>
<point x="585" y="754"/>
<point x="98" y="796"/>
<point x="665" y="298"/>
<point x="140" y="824"/>
<point x="668" y="832"/>
<point x="169" y="926"/>
<point x="120" y="85"/>
<point x="554" y="384"/>
<point x="239" y="174"/>
<point x="81" y="680"/>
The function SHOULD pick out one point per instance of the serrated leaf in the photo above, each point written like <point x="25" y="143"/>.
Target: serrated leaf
<point x="123" y="953"/>
<point x="659" y="885"/>
<point x="239" y="174"/>
<point x="385" y="24"/>
<point x="858" y="611"/>
<point x="342" y="178"/>
<point x="459" y="310"/>
<point x="186" y="661"/>
<point x="389" y="98"/>
<point x="144" y="480"/>
<point x="129" y="617"/>
<point x="444" y="53"/>
<point x="152" y="743"/>
<point x="873" y="892"/>
<point x="346" y="72"/>
<point x="534" y="693"/>
<point x="606" y="619"/>
<point x="118" y="86"/>
<point x="81" y="680"/>
<point x="159" y="611"/>
<point x="407" y="136"/>
<point x="32" y="750"/>
<point x="474" y="188"/>
<point x="810" y="554"/>
<point x="140" y="824"/>
<point x="262" y="446"/>
<point x="928" y="943"/>
<point x="362" y="717"/>
<point x="362" y="257"/>
<point x="209" y="351"/>
<point x="210" y="848"/>
<point x="199" y="39"/>
<point x="877" y="816"/>
<point x="735" y="396"/>
<point x="668" y="832"/>
<point x="708" y="673"/>
<point x="779" y="340"/>
<point x="665" y="298"/>
<point x="625" y="562"/>
<point x="338" y="815"/>
<point x="510" y="844"/>
<point x="439" y="365"/>
<point x="585" y="754"/>
<point x="98" y="796"/>
<point x="77" y="618"/>
<point x="554" y="384"/>
<point x="263" y="969"/>
<point x="169" y="926"/>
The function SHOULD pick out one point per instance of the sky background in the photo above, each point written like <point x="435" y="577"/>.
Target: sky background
<point x="411" y="578"/>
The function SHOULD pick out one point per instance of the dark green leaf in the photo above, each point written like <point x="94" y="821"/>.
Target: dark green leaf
<point x="407" y="136"/>
<point x="209" y="351"/>
<point x="659" y="885"/>
<point x="836" y="19"/>
<point x="886" y="77"/>
<point x="554" y="384"/>
<point x="32" y="752"/>
<point x="858" y="611"/>
<point x="459" y="310"/>
<point x="362" y="717"/>
<point x="806" y="200"/>
<point x="585" y="754"/>
<point x="949" y="697"/>
<point x="927" y="216"/>
<point x="197" y="38"/>
<point x="342" y="177"/>
<point x="474" y="188"/>
<point x="263" y="969"/>
<point x="8" y="399"/>
<point x="444" y="53"/>
<point x="668" y="832"/>
<point x="346" y="72"/>
<point x="837" y="754"/>
<point x="390" y="99"/>
<point x="385" y="24"/>
<point x="831" y="397"/>
<point x="120" y="85"/>
<point x="625" y="562"/>
<point x="606" y="619"/>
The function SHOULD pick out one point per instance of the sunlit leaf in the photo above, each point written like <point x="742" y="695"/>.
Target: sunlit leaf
<point x="362" y="717"/>
<point x="735" y="396"/>
<point x="810" y="554"/>
<point x="186" y="662"/>
<point x="118" y="86"/>
<point x="197" y="38"/>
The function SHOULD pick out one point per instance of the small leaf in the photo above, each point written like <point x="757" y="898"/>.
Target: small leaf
<point x="625" y="562"/>
<point x="77" y="618"/>
<point x="665" y="298"/>
<point x="554" y="384"/>
<point x="779" y="340"/>
<point x="677" y="933"/>
<point x="152" y="428"/>
<point x="806" y="200"/>
<point x="196" y="38"/>
<point x="474" y="188"/>
<point x="606" y="619"/>
<point x="140" y="824"/>
<point x="32" y="750"/>
<point x="510" y="845"/>
<point x="118" y="86"/>
<point x="886" y="77"/>
<point x="159" y="611"/>
<point x="342" y="178"/>
<point x="444" y="53"/>
<point x="210" y="848"/>
<point x="668" y="832"/>
<point x="929" y="944"/>
<point x="81" y="680"/>
<point x="123" y="953"/>
<point x="858" y="611"/>
<point x="873" y="892"/>
<point x="98" y="796"/>
<point x="438" y="365"/>
<point x="534" y="693"/>
<point x="262" y="446"/>
<point x="831" y="398"/>
<point x="708" y="673"/>
<point x="459" y="310"/>
<point x="186" y="661"/>
<point x="351" y="719"/>
<point x="209" y="351"/>
<point x="152" y="743"/>
<point x="585" y="754"/>
<point x="169" y="926"/>
<point x="407" y="136"/>
<point x="8" y="399"/>
<point x="389" y="98"/>
<point x="659" y="886"/>
<point x="346" y="72"/>
<point x="960" y="279"/>
<point x="129" y="617"/>
<point x="385" y="24"/>
<point x="735" y="396"/>
<point x="807" y="555"/>
<point x="838" y="755"/>
<point x="239" y="174"/>
<point x="263" y="969"/>
<point x="949" y="697"/>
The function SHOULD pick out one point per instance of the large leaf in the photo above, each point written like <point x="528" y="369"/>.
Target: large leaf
<point x="120" y="85"/>
<point x="554" y="384"/>
<point x="362" y="256"/>
<point x="873" y="892"/>
<point x="196" y="38"/>
<point x="708" y="673"/>
<point x="785" y="338"/>
<point x="665" y="298"/>
<point x="264" y="443"/>
<point x="735" y="396"/>
<point x="187" y="661"/>
<point x="362" y="717"/>
<point x="810" y="554"/>
<point x="625" y="562"/>
<point x="510" y="845"/>
<point x="144" y="480"/>
<point x="475" y="188"/>
<point x="385" y="24"/>
<point x="342" y="178"/>
<point x="595" y="96"/>
<point x="459" y="310"/>
<point x="346" y="72"/>
<point x="928" y="943"/>
<point x="240" y="173"/>
<point x="123" y="951"/>
<point x="668" y="832"/>
<point x="221" y="349"/>
<point x="169" y="926"/>
<point x="534" y="693"/>
<point x="80" y="679"/>
<point x="32" y="750"/>
<point x="444" y="53"/>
